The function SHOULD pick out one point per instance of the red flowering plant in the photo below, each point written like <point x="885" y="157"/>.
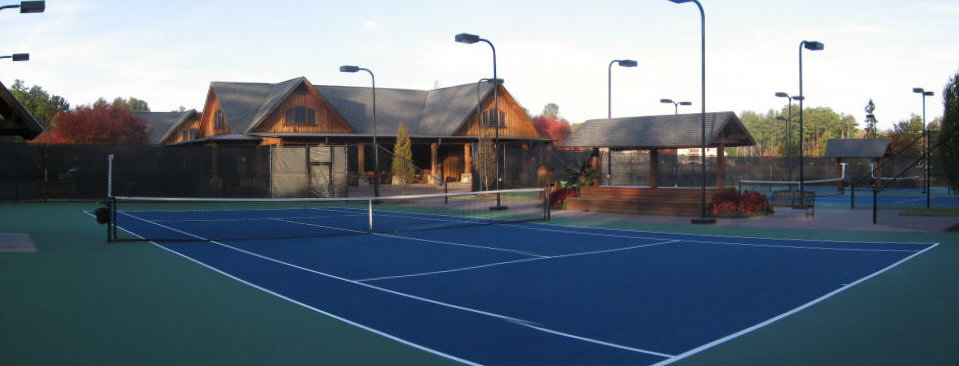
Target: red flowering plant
<point x="732" y="203"/>
<point x="557" y="198"/>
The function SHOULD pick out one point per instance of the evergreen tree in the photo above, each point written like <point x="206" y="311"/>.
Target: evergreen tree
<point x="949" y="137"/>
<point x="403" y="157"/>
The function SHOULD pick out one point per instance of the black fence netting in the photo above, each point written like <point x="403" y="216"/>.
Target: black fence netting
<point x="39" y="172"/>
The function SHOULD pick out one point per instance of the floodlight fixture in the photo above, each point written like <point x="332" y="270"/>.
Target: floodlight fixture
<point x="813" y="45"/>
<point x="668" y="101"/>
<point x="349" y="68"/>
<point x="685" y="103"/>
<point x="467" y="38"/>
<point x="27" y="6"/>
<point x="782" y="95"/>
<point x="17" y="57"/>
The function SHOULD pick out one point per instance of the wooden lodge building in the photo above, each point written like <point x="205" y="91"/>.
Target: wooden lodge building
<point x="443" y="123"/>
<point x="15" y="120"/>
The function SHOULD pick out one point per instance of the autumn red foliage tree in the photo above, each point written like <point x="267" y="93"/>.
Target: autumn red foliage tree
<point x="551" y="127"/>
<point x="96" y="125"/>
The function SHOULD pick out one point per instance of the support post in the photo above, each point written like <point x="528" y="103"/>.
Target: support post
<point x="654" y="168"/>
<point x="433" y="151"/>
<point x="721" y="166"/>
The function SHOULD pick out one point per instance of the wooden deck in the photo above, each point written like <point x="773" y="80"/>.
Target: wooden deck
<point x="638" y="200"/>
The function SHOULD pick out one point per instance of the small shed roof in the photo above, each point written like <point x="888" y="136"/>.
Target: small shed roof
<point x="661" y="132"/>
<point x="857" y="148"/>
<point x="14" y="119"/>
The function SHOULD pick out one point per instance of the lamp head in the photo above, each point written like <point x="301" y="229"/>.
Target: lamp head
<point x="32" y="6"/>
<point x="928" y="93"/>
<point x="799" y="97"/>
<point x="467" y="38"/>
<point x="782" y="95"/>
<point x="21" y="57"/>
<point x="349" y="68"/>
<point x="626" y="63"/>
<point x="685" y="103"/>
<point x="680" y="1"/>
<point x="813" y="45"/>
<point x="670" y="101"/>
<point x="917" y="90"/>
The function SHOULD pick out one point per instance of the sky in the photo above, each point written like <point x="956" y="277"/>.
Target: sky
<point x="168" y="52"/>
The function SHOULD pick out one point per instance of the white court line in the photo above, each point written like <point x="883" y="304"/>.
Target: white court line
<point x="515" y="261"/>
<point x="733" y="243"/>
<point x="323" y="312"/>
<point x="252" y="218"/>
<point x="530" y="226"/>
<point x="788" y="313"/>
<point x="418" y="239"/>
<point x="414" y="297"/>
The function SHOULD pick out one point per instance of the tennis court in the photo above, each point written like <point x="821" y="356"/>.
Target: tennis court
<point x="520" y="292"/>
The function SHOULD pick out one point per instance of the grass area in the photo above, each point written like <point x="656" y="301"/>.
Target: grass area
<point x="931" y="212"/>
<point x="82" y="301"/>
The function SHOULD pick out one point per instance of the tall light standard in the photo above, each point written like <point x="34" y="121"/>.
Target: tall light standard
<point x="925" y="132"/>
<point x="494" y="118"/>
<point x="376" y="147"/>
<point x="27" y="6"/>
<point x="17" y="57"/>
<point x="675" y="104"/>
<point x="702" y="17"/>
<point x="812" y="46"/>
<point x="789" y="103"/>
<point x="609" y="89"/>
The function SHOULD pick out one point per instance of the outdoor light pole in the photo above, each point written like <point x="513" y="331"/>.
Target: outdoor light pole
<point x="675" y="104"/>
<point x="27" y="6"/>
<point x="470" y="39"/>
<point x="925" y="132"/>
<point x="17" y="57"/>
<point x="812" y="46"/>
<point x="376" y="147"/>
<point x="702" y="18"/>
<point x="789" y="102"/>
<point x="609" y="74"/>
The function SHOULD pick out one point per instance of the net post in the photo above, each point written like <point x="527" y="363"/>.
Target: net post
<point x="546" y="192"/>
<point x="112" y="224"/>
<point x="370" y="210"/>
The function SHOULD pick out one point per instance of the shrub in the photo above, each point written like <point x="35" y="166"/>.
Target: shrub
<point x="732" y="202"/>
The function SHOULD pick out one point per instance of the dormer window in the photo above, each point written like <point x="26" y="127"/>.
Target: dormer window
<point x="219" y="120"/>
<point x="300" y="116"/>
<point x="489" y="119"/>
<point x="190" y="134"/>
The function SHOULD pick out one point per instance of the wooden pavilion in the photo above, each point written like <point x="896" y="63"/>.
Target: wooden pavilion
<point x="14" y="119"/>
<point x="654" y="134"/>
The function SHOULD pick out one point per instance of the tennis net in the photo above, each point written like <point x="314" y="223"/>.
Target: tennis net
<point x="819" y="185"/>
<point x="207" y="219"/>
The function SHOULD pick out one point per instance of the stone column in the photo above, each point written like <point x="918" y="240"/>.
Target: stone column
<point x="433" y="170"/>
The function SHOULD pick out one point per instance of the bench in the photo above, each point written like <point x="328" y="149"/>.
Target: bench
<point x="805" y="200"/>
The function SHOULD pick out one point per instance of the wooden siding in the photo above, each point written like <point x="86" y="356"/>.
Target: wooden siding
<point x="177" y="135"/>
<point x="327" y="120"/>
<point x="518" y="124"/>
<point x="207" y="123"/>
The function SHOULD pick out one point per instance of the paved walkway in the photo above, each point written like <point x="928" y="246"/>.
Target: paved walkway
<point x="786" y="218"/>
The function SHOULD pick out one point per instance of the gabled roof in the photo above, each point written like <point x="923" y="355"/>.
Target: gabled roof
<point x="14" y="119"/>
<point x="241" y="102"/>
<point x="438" y="112"/>
<point x="393" y="106"/>
<point x="661" y="132"/>
<point x="857" y="148"/>
<point x="160" y="125"/>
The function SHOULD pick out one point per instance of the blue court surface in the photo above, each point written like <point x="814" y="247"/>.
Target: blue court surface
<point x="534" y="293"/>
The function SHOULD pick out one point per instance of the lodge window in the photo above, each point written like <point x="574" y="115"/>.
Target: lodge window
<point x="489" y="119"/>
<point x="219" y="120"/>
<point x="190" y="134"/>
<point x="300" y="116"/>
